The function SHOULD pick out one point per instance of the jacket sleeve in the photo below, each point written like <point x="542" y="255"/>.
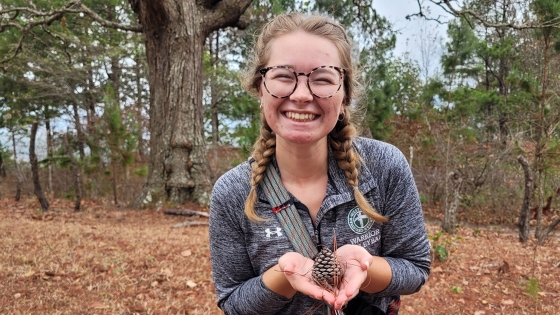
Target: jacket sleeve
<point x="404" y="239"/>
<point x="240" y="290"/>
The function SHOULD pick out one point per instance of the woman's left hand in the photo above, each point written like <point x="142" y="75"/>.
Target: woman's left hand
<point x="357" y="261"/>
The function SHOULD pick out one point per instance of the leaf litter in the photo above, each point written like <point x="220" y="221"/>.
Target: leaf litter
<point x="113" y="261"/>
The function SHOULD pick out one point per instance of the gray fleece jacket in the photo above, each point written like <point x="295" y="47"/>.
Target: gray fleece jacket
<point x="242" y="250"/>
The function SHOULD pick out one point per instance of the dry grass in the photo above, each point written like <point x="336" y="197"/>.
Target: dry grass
<point x="114" y="261"/>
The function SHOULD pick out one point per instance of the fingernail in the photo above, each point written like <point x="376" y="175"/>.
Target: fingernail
<point x="367" y="264"/>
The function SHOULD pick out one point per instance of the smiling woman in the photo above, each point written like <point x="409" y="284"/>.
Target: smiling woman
<point x="273" y="218"/>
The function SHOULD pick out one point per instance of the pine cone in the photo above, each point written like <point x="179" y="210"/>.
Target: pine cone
<point x="326" y="268"/>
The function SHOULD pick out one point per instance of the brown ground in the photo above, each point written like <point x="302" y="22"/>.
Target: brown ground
<point x="115" y="261"/>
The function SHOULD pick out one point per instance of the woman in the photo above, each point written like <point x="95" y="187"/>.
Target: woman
<point x="303" y="74"/>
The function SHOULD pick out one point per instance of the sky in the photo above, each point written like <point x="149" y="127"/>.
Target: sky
<point x="416" y="32"/>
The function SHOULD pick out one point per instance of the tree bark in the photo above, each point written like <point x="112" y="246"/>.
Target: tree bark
<point x="450" y="216"/>
<point x="2" y="172"/>
<point x="79" y="133"/>
<point x="525" y="208"/>
<point x="35" y="169"/>
<point x="77" y="174"/>
<point x="19" y="173"/>
<point x="49" y="154"/>
<point x="175" y="31"/>
<point x="545" y="232"/>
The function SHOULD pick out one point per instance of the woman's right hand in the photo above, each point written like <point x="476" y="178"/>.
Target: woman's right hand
<point x="297" y="270"/>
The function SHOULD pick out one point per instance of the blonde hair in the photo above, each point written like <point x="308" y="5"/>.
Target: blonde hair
<point x="340" y="138"/>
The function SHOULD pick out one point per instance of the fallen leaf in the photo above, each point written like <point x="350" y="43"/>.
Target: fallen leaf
<point x="191" y="284"/>
<point x="97" y="305"/>
<point x="437" y="269"/>
<point x="507" y="302"/>
<point x="186" y="253"/>
<point x="167" y="272"/>
<point x="479" y="313"/>
<point x="29" y="273"/>
<point x="17" y="295"/>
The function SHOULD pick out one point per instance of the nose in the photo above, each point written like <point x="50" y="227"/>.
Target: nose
<point x="302" y="92"/>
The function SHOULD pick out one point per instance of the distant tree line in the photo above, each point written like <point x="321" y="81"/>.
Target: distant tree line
<point x="149" y="97"/>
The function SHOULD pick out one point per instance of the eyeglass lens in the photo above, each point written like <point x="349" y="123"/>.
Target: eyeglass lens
<point x="323" y="82"/>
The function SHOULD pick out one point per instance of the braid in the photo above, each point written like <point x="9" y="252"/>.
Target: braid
<point x="264" y="149"/>
<point x="349" y="161"/>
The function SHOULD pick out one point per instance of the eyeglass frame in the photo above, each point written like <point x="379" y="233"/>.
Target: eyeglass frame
<point x="341" y="72"/>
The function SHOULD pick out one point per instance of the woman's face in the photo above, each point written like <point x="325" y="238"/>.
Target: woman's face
<point x="302" y="118"/>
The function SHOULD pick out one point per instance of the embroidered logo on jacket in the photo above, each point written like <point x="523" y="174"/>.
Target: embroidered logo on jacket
<point x="358" y="221"/>
<point x="277" y="232"/>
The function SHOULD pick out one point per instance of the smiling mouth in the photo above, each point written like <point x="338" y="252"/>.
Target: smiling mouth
<point x="300" y="117"/>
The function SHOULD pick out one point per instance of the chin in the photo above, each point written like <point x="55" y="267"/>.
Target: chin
<point x="302" y="139"/>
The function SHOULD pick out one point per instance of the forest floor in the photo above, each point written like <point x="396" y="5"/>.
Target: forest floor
<point x="106" y="260"/>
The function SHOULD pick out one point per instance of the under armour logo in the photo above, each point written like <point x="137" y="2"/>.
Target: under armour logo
<point x="270" y="232"/>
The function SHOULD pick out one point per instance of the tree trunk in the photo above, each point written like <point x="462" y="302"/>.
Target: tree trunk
<point x="79" y="132"/>
<point x="450" y="216"/>
<point x="77" y="174"/>
<point x="115" y="194"/>
<point x="2" y="172"/>
<point x="214" y="55"/>
<point x="545" y="232"/>
<point x="525" y="208"/>
<point x="175" y="31"/>
<point x="50" y="155"/>
<point x="19" y="173"/>
<point x="35" y="169"/>
<point x="140" y="157"/>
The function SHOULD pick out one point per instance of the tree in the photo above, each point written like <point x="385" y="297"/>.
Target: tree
<point x="37" y="189"/>
<point x="175" y="31"/>
<point x="121" y="142"/>
<point x="458" y="65"/>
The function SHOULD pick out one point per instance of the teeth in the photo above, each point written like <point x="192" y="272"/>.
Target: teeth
<point x="300" y="117"/>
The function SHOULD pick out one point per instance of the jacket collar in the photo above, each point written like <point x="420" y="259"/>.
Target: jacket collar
<point x="338" y="189"/>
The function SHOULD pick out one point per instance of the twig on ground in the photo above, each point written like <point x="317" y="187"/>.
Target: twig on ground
<point x="189" y="223"/>
<point x="186" y="212"/>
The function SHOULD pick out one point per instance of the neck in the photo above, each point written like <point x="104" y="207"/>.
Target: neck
<point x="300" y="164"/>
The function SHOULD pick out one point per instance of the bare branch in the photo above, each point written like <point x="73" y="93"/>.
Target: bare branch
<point x="555" y="23"/>
<point x="448" y="7"/>
<point x="226" y="13"/>
<point x="34" y="18"/>
<point x="421" y="14"/>
<point x="189" y="223"/>
<point x="97" y="18"/>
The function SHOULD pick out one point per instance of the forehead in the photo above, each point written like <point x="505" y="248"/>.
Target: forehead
<point x="302" y="51"/>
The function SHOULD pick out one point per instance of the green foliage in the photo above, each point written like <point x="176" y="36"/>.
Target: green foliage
<point x="532" y="288"/>
<point x="459" y="57"/>
<point x="456" y="289"/>
<point x="441" y="252"/>
<point x="440" y="245"/>
<point x="247" y="111"/>
<point x="141" y="171"/>
<point x="120" y="136"/>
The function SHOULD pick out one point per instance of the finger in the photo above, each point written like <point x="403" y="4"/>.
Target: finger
<point x="314" y="291"/>
<point x="341" y="300"/>
<point x="365" y="265"/>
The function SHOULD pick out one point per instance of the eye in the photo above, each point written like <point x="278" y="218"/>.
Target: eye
<point x="281" y="74"/>
<point x="324" y="77"/>
<point x="323" y="80"/>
